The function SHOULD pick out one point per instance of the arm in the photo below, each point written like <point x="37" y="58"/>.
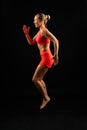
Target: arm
<point x="26" y="32"/>
<point x="55" y="41"/>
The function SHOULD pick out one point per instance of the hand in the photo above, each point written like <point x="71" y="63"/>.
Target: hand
<point x="56" y="59"/>
<point x="26" y="29"/>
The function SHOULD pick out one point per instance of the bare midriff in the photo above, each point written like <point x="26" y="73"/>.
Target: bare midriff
<point x="44" y="47"/>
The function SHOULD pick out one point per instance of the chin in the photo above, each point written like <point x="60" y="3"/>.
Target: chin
<point x="36" y="26"/>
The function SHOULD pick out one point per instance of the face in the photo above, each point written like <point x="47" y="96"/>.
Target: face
<point x="37" y="22"/>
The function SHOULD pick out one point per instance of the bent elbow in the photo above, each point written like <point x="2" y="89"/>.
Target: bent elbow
<point x="56" y="41"/>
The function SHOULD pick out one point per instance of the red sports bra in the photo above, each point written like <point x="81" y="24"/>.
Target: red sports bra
<point x="41" y="39"/>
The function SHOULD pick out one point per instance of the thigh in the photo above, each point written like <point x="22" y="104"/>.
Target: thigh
<point x="40" y="72"/>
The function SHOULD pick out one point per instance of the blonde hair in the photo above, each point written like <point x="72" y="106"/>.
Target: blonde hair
<point x="43" y="17"/>
<point x="47" y="18"/>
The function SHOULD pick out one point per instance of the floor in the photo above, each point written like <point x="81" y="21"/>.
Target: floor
<point x="63" y="112"/>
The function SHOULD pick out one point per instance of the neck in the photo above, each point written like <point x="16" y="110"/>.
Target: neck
<point x="41" y="27"/>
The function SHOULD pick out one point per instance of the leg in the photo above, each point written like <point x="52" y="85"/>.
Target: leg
<point x="38" y="81"/>
<point x="45" y="101"/>
<point x="44" y="85"/>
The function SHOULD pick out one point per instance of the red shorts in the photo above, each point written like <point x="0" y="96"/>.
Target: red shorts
<point x="46" y="58"/>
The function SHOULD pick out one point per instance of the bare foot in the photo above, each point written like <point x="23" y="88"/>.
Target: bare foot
<point x="44" y="103"/>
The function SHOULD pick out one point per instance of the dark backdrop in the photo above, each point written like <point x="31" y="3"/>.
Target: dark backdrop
<point x="19" y="60"/>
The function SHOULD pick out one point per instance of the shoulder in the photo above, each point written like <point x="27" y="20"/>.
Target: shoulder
<point x="45" y="31"/>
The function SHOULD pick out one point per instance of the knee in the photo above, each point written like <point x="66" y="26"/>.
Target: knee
<point x="34" y="80"/>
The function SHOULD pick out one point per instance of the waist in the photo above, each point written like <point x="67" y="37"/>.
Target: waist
<point x="43" y="47"/>
<point x="45" y="52"/>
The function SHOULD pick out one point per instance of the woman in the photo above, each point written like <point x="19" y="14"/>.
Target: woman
<point x="43" y="38"/>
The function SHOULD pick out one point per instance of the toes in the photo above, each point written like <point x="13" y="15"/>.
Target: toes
<point x="44" y="103"/>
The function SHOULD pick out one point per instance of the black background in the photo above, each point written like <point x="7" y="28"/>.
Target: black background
<point x="66" y="83"/>
<point x="68" y="24"/>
